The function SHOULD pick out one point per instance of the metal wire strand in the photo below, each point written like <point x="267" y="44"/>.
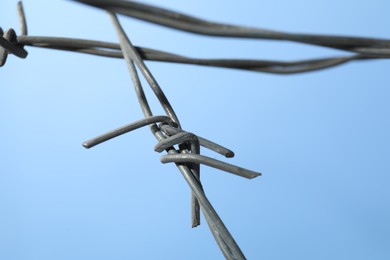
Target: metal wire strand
<point x="224" y="239"/>
<point x="368" y="48"/>
<point x="144" y="70"/>
<point x="131" y="57"/>
<point x="107" y="49"/>
<point x="7" y="45"/>
<point x="195" y="208"/>
<point x="180" y="21"/>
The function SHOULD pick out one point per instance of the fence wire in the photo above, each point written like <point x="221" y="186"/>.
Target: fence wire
<point x="183" y="147"/>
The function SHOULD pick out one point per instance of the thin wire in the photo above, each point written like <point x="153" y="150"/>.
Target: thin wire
<point x="367" y="48"/>
<point x="108" y="49"/>
<point x="183" y="22"/>
<point x="128" y="47"/>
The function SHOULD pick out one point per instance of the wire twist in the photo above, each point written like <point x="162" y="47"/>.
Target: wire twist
<point x="8" y="40"/>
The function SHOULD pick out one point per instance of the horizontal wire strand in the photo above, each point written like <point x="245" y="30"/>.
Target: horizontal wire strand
<point x="180" y="21"/>
<point x="108" y="49"/>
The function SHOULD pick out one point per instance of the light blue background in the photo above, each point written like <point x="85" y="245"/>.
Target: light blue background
<point x="321" y="139"/>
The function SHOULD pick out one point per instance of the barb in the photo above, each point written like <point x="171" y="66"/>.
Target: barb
<point x="223" y="237"/>
<point x="22" y="18"/>
<point x="168" y="130"/>
<point x="7" y="45"/>
<point x="127" y="128"/>
<point x="192" y="158"/>
<point x="8" y="40"/>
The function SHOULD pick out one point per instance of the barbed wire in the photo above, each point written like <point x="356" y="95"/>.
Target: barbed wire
<point x="363" y="48"/>
<point x="183" y="147"/>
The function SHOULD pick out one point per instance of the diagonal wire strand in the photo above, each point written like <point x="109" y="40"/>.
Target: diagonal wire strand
<point x="223" y="237"/>
<point x="144" y="70"/>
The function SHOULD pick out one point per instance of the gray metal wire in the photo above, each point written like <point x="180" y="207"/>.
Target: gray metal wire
<point x="182" y="147"/>
<point x="362" y="48"/>
<point x="107" y="49"/>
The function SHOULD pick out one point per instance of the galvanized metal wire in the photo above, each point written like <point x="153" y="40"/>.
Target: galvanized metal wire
<point x="361" y="48"/>
<point x="183" y="147"/>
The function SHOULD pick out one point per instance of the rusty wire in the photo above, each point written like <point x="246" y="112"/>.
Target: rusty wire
<point x="182" y="147"/>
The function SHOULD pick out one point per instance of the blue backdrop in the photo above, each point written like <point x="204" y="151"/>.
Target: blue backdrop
<point x="321" y="139"/>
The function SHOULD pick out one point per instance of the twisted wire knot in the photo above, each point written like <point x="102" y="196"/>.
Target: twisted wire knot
<point x="10" y="45"/>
